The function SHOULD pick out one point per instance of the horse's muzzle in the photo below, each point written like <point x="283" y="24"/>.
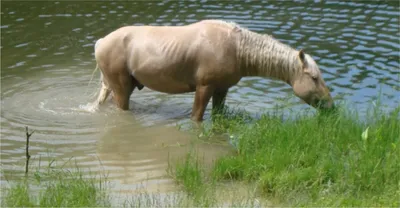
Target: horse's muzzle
<point x="325" y="104"/>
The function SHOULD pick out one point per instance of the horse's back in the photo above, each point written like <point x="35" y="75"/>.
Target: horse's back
<point x="173" y="59"/>
<point x="204" y="35"/>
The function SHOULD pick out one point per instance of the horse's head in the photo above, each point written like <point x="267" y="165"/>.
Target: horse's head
<point x="309" y="85"/>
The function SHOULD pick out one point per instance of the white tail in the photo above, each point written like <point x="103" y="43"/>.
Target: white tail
<point x="104" y="90"/>
<point x="97" y="65"/>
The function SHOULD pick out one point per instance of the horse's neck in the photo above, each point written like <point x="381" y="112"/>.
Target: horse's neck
<point x="261" y="55"/>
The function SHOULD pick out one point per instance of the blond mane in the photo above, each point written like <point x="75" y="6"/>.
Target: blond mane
<point x="263" y="55"/>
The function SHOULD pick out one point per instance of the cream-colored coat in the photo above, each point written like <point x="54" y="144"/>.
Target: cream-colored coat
<point x="206" y="57"/>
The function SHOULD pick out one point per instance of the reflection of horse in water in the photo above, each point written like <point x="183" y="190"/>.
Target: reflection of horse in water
<point x="207" y="57"/>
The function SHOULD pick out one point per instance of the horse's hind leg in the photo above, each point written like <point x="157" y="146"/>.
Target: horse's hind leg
<point x="122" y="89"/>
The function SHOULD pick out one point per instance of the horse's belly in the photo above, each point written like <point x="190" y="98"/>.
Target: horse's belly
<point x="166" y="85"/>
<point x="171" y="88"/>
<point x="163" y="74"/>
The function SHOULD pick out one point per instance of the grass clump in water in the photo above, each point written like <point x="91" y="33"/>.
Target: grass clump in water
<point x="200" y="189"/>
<point x="57" y="187"/>
<point x="329" y="159"/>
<point x="190" y="173"/>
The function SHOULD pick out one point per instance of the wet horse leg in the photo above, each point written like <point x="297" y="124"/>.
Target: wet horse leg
<point x="218" y="100"/>
<point x="202" y="97"/>
<point x="122" y="88"/>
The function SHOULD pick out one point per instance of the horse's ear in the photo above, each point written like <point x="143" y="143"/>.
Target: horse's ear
<point x="302" y="56"/>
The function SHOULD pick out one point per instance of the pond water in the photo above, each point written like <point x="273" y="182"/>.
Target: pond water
<point x="47" y="63"/>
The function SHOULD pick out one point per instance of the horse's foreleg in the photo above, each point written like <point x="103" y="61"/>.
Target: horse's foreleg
<point x="218" y="100"/>
<point x="202" y="97"/>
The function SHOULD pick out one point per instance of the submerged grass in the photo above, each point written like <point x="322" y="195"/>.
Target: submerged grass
<point x="331" y="159"/>
<point x="191" y="174"/>
<point x="57" y="187"/>
<point x="202" y="190"/>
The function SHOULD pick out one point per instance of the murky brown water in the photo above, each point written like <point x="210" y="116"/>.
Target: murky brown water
<point x="47" y="62"/>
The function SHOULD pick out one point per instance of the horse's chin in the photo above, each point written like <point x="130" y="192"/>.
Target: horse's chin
<point x="323" y="105"/>
<point x="329" y="105"/>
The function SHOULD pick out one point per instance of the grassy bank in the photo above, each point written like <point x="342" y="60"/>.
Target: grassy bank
<point x="336" y="159"/>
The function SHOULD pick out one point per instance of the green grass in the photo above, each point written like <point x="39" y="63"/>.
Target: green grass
<point x="146" y="199"/>
<point x="191" y="174"/>
<point x="336" y="159"/>
<point x="57" y="187"/>
<point x="202" y="190"/>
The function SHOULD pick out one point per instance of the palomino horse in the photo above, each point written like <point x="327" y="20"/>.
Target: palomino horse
<point x="207" y="57"/>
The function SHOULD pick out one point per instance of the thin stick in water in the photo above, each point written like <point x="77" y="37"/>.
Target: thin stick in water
<point x="28" y="135"/>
